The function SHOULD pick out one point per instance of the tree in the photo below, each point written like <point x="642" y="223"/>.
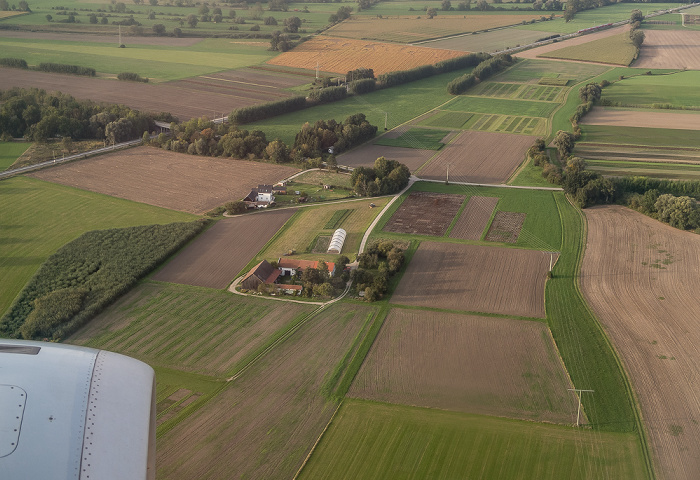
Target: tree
<point x="331" y="163"/>
<point x="431" y="12"/>
<point x="446" y="5"/>
<point x="679" y="212"/>
<point x="153" y="3"/>
<point x="256" y="12"/>
<point x="324" y="290"/>
<point x="104" y="21"/>
<point x="637" y="36"/>
<point x="192" y="20"/>
<point x="590" y="93"/>
<point x="280" y="42"/>
<point x="636" y="16"/>
<point x="203" y="10"/>
<point x="235" y="207"/>
<point x="232" y="14"/>
<point x="49" y="18"/>
<point x="146" y="139"/>
<point x="217" y="18"/>
<point x="270" y="21"/>
<point x="159" y="29"/>
<point x="4" y="6"/>
<point x="292" y="24"/>
<point x="564" y="141"/>
<point x="277" y="151"/>
<point x="177" y="31"/>
<point x="67" y="144"/>
<point x="24" y="6"/>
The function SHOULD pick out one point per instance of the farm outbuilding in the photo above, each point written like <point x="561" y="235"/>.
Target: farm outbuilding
<point x="337" y="241"/>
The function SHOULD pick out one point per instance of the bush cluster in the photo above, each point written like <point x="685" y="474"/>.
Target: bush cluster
<point x="365" y="85"/>
<point x="14" y="62"/>
<point x="254" y="113"/>
<point x="63" y="68"/>
<point x="328" y="94"/>
<point x="681" y="212"/>
<point x="89" y="273"/>
<point x="387" y="177"/>
<point x="377" y="265"/>
<point x="315" y="139"/>
<point x="131" y="77"/>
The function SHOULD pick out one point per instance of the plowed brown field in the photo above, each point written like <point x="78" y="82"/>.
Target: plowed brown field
<point x="216" y="256"/>
<point x="172" y="180"/>
<point x="489" y="366"/>
<point x="479" y="157"/>
<point x="474" y="218"/>
<point x="635" y="118"/>
<point x="263" y="424"/>
<point x="641" y="279"/>
<point x="475" y="278"/>
<point x="340" y="55"/>
<point x="423" y="213"/>
<point x="670" y="49"/>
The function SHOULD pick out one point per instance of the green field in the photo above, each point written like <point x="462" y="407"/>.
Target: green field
<point x="371" y="440"/>
<point x="39" y="217"/>
<point x="499" y="106"/>
<point x="541" y="230"/>
<point x="678" y="171"/>
<point x="615" y="50"/>
<point x="318" y="177"/>
<point x="640" y="136"/>
<point x="677" y="89"/>
<point x="543" y="93"/>
<point x="10" y="151"/>
<point x="158" y="63"/>
<point x="532" y="70"/>
<point x="422" y="138"/>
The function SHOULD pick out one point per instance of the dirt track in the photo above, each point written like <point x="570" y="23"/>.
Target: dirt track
<point x="641" y="279"/>
<point x="632" y="118"/>
<point x="670" y="49"/>
<point x="172" y="180"/>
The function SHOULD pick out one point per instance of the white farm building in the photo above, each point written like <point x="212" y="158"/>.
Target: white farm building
<point x="337" y="241"/>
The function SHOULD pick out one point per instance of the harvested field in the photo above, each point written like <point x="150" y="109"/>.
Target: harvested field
<point x="264" y="423"/>
<point x="340" y="55"/>
<point x="416" y="29"/>
<point x="166" y="179"/>
<point x="94" y="38"/>
<point x="425" y="213"/>
<point x="506" y="227"/>
<point x="475" y="278"/>
<point x="365" y="155"/>
<point x="474" y="218"/>
<point x="216" y="256"/>
<point x="641" y="279"/>
<point x="670" y="49"/>
<point x="536" y="52"/>
<point x="488" y="41"/>
<point x="185" y="328"/>
<point x="491" y="366"/>
<point x="636" y="118"/>
<point x="479" y="157"/>
<point x="200" y="96"/>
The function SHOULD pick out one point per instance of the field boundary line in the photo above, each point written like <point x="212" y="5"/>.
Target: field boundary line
<point x="296" y="475"/>
<point x="641" y="432"/>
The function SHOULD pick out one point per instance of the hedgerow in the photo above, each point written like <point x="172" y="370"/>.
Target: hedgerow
<point x="86" y="275"/>
<point x="63" y="68"/>
<point x="266" y="110"/>
<point x="131" y="77"/>
<point x="14" y="63"/>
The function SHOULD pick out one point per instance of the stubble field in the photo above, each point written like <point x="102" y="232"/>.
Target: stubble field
<point x="215" y="257"/>
<point x="640" y="278"/>
<point x="475" y="278"/>
<point x="490" y="366"/>
<point x="670" y="49"/>
<point x="166" y="179"/>
<point x="479" y="157"/>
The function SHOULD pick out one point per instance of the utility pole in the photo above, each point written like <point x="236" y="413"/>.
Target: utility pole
<point x="317" y="65"/>
<point x="579" y="390"/>
<point x="386" y="120"/>
<point x="448" y="175"/>
<point x="120" y="35"/>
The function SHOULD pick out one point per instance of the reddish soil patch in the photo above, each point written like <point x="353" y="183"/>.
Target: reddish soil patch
<point x="94" y="38"/>
<point x="216" y="256"/>
<point x="365" y="156"/>
<point x="423" y="213"/>
<point x="506" y="227"/>
<point x="475" y="216"/>
<point x="641" y="279"/>
<point x="475" y="278"/>
<point x="635" y="118"/>
<point x="264" y="424"/>
<point x="479" y="157"/>
<point x="204" y="97"/>
<point x="166" y="179"/>
<point x="535" y="52"/>
<point x="489" y="366"/>
<point x="670" y="49"/>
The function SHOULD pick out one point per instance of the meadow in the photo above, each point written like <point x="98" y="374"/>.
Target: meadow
<point x="375" y="440"/>
<point x="677" y="90"/>
<point x="614" y="50"/>
<point x="423" y="138"/>
<point x="10" y="151"/>
<point x="639" y="136"/>
<point x="531" y="70"/>
<point x="679" y="171"/>
<point x="40" y="217"/>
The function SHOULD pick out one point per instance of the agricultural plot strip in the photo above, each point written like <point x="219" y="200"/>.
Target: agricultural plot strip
<point x="506" y="227"/>
<point x="641" y="279"/>
<point x="536" y="52"/>
<point x="475" y="278"/>
<point x="670" y="49"/>
<point x="479" y="157"/>
<point x="172" y="180"/>
<point x="474" y="218"/>
<point x="491" y="366"/>
<point x="365" y="155"/>
<point x="423" y="213"/>
<point x="649" y="119"/>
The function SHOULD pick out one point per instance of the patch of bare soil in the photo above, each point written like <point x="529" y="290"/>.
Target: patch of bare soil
<point x="423" y="213"/>
<point x="506" y="227"/>
<point x="670" y="49"/>
<point x="641" y="279"/>
<point x="474" y="218"/>
<point x="475" y="278"/>
<point x="166" y="179"/>
<point x="465" y="363"/>
<point x="216" y="256"/>
<point x="479" y="157"/>
<point x="635" y="118"/>
<point x="535" y="52"/>
<point x="365" y="155"/>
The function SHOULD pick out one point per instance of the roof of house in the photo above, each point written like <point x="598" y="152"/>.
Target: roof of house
<point x="264" y="188"/>
<point x="291" y="287"/>
<point x="251" y="196"/>
<point x="262" y="271"/>
<point x="303" y="264"/>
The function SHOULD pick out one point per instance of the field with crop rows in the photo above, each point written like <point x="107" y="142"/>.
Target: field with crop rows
<point x="677" y="90"/>
<point x="486" y="365"/>
<point x="518" y="91"/>
<point x="412" y="29"/>
<point x="644" y="169"/>
<point x="167" y="179"/>
<point x="488" y="41"/>
<point x="264" y="423"/>
<point x="614" y="50"/>
<point x="533" y="70"/>
<point x="215" y="257"/>
<point x="670" y="49"/>
<point x="499" y="106"/>
<point x="499" y="280"/>
<point x="32" y="231"/>
<point x="486" y="122"/>
<point x="189" y="329"/>
<point x="376" y="440"/>
<point x="631" y="136"/>
<point x="474" y="218"/>
<point x="640" y="278"/>
<point x="340" y="55"/>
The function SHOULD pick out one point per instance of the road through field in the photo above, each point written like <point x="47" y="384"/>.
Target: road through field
<point x="641" y="279"/>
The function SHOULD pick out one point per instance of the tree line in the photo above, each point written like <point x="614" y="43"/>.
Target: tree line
<point x="385" y="178"/>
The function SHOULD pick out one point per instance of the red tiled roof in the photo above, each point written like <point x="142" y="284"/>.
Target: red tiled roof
<point x="303" y="264"/>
